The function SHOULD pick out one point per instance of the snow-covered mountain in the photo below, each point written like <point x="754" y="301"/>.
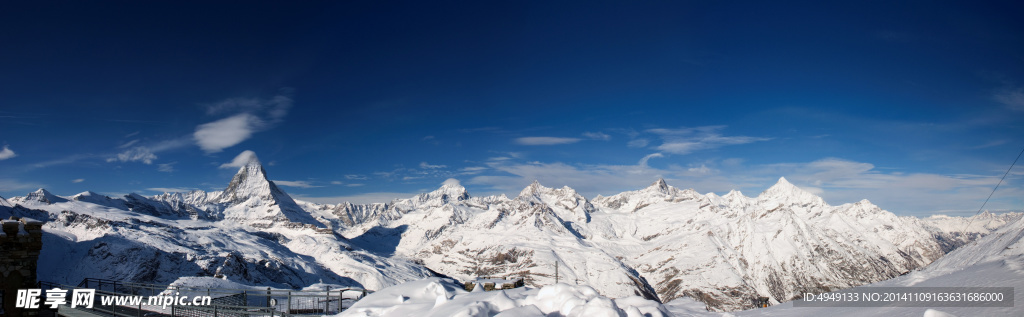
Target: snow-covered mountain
<point x="726" y="250"/>
<point x="995" y="260"/>
<point x="659" y="242"/>
<point x="252" y="232"/>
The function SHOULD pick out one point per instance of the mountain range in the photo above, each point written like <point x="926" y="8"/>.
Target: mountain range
<point x="658" y="242"/>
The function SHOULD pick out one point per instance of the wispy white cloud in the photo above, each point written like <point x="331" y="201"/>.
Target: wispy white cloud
<point x="424" y="165"/>
<point x="135" y="154"/>
<point x="146" y="153"/>
<point x="431" y="139"/>
<point x="637" y="143"/>
<point x="354" y="176"/>
<point x="546" y="140"/>
<point x="128" y="144"/>
<point x="61" y="161"/>
<point x="700" y="170"/>
<point x="6" y="153"/>
<point x="597" y="136"/>
<point x="299" y="184"/>
<point x="275" y="108"/>
<point x="250" y="115"/>
<point x="1012" y="98"/>
<point x="78" y="180"/>
<point x="240" y="160"/>
<point x="224" y="133"/>
<point x="346" y="184"/>
<point x="451" y="181"/>
<point x="990" y="144"/>
<point x="166" y="168"/>
<point x="170" y="189"/>
<point x="472" y="170"/>
<point x="643" y="161"/>
<point x="366" y="198"/>
<point x="688" y="140"/>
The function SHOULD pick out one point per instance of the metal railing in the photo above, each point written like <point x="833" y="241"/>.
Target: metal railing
<point x="224" y="302"/>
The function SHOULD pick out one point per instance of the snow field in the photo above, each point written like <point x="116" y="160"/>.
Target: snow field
<point x="443" y="297"/>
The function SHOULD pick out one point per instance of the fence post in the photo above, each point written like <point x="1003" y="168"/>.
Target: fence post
<point x="327" y="307"/>
<point x="289" y="302"/>
<point x="268" y="297"/>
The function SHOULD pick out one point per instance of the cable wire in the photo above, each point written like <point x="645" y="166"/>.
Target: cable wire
<point x="963" y="232"/>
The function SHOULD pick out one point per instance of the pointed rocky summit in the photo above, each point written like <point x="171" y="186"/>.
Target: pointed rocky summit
<point x="659" y="185"/>
<point x="42" y="195"/>
<point x="251" y="188"/>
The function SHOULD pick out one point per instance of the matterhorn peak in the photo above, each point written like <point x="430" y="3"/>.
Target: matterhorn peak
<point x="250" y="191"/>
<point x="250" y="180"/>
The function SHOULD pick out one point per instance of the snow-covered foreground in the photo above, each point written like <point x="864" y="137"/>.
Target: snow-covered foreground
<point x="996" y="260"/>
<point x="444" y="297"/>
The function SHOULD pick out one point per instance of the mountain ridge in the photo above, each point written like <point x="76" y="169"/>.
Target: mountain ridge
<point x="659" y="242"/>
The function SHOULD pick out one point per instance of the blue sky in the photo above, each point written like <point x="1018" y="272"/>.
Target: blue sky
<point x="916" y="107"/>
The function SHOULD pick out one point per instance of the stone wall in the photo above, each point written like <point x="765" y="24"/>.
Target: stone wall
<point x="20" y="242"/>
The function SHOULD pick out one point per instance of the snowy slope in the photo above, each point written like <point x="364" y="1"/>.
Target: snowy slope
<point x="444" y="297"/>
<point x="997" y="260"/>
<point x="953" y="232"/>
